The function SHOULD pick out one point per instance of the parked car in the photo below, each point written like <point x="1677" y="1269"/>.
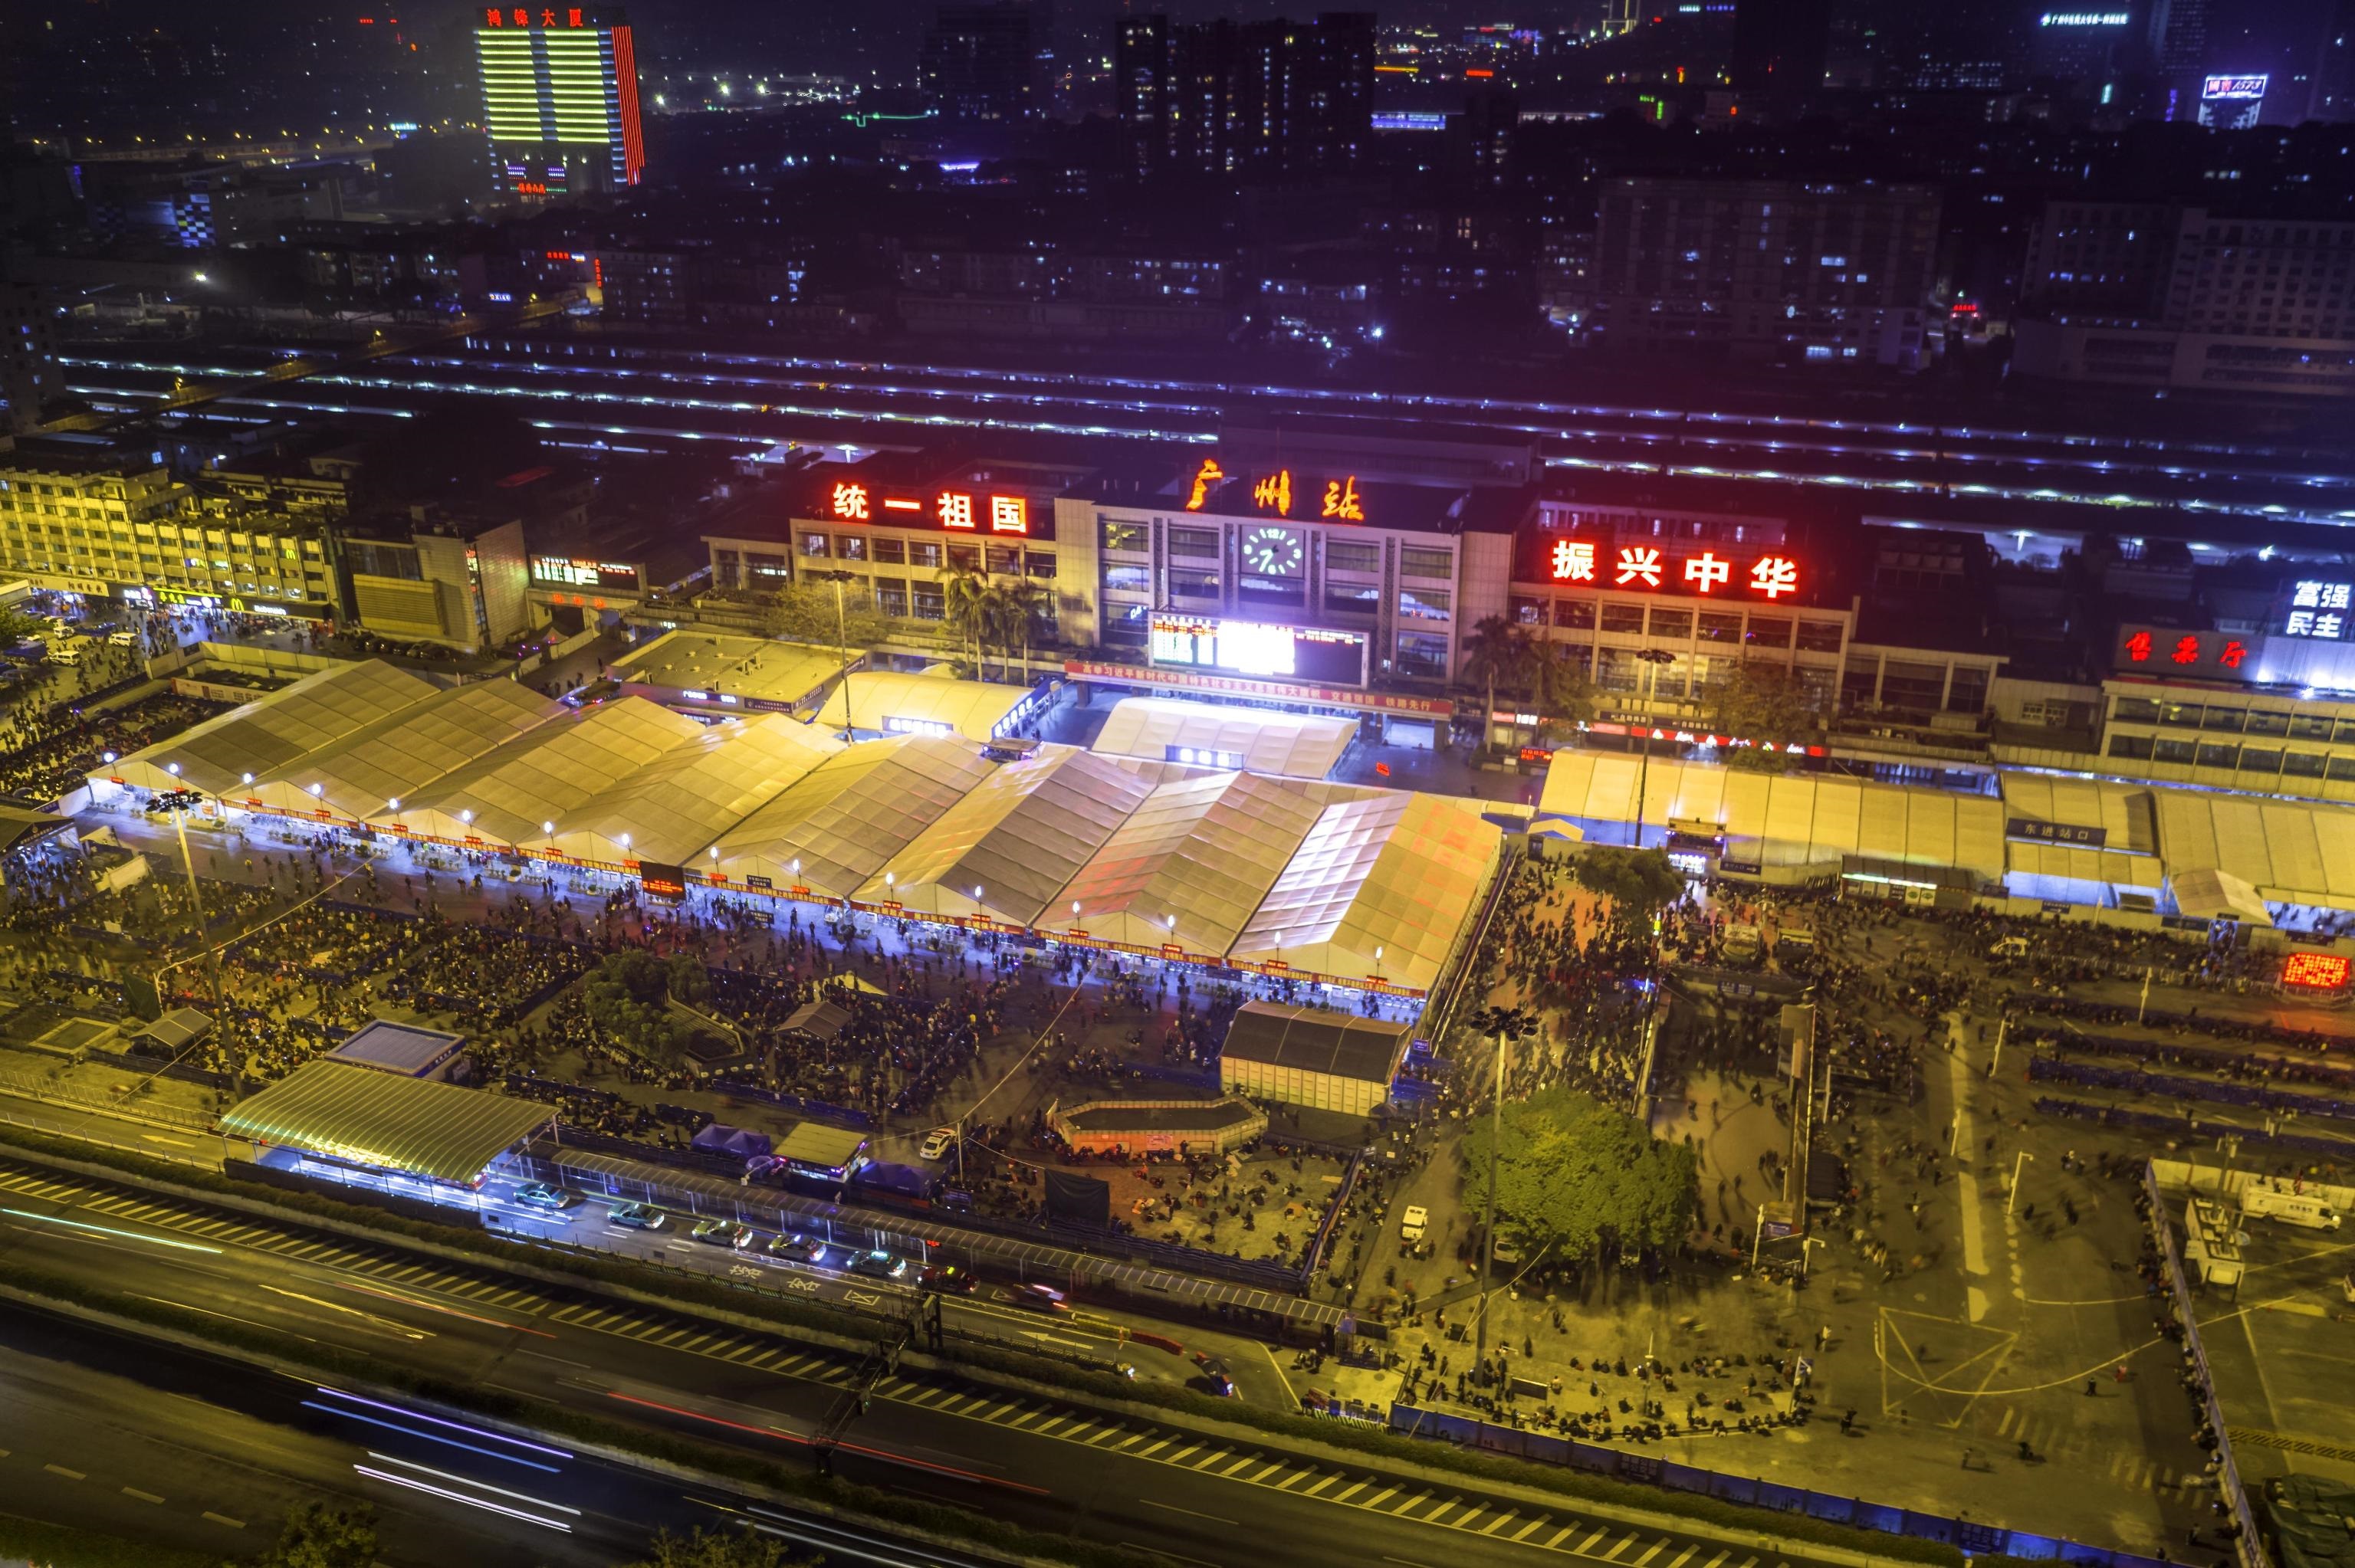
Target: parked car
<point x="879" y="1266"/>
<point x="722" y="1233"/>
<point x="1215" y="1374"/>
<point x="937" y="1143"/>
<point x="541" y="1195"/>
<point x="637" y="1216"/>
<point x="1416" y="1220"/>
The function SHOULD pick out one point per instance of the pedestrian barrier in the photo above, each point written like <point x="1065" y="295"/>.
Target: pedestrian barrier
<point x="1975" y="1538"/>
<point x="2188" y="1126"/>
<point x="2134" y="1080"/>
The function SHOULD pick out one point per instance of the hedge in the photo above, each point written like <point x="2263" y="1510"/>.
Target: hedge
<point x="64" y="1546"/>
<point x="1357" y="1437"/>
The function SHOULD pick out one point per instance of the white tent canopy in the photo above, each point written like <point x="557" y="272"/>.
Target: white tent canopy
<point x="1195" y="859"/>
<point x="400" y="756"/>
<point x="260" y="737"/>
<point x="672" y="808"/>
<point x="2213" y="895"/>
<point x="850" y="815"/>
<point x="1378" y="889"/>
<point x="1297" y="746"/>
<point x="1006" y="850"/>
<point x="503" y="797"/>
<point x="2289" y="852"/>
<point x="897" y="703"/>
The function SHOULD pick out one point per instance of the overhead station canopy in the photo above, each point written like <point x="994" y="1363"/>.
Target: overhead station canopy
<point x="699" y="665"/>
<point x="503" y="797"/>
<point x="401" y="754"/>
<point x="262" y="738"/>
<point x="2085" y="812"/>
<point x="675" y="805"/>
<point x="1195" y="859"/>
<point x="1377" y="890"/>
<point x="2213" y="895"/>
<point x="2288" y="852"/>
<point x="1318" y="1040"/>
<point x="1165" y="729"/>
<point x="387" y="1120"/>
<point x="889" y="702"/>
<point x="1006" y="850"/>
<point x="838" y="827"/>
<point x="1799" y="819"/>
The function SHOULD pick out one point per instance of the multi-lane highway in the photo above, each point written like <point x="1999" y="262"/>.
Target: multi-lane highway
<point x="1155" y="1485"/>
<point x="597" y="396"/>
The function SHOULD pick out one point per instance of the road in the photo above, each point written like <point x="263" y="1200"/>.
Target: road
<point x="1200" y="1500"/>
<point x="174" y="1448"/>
<point x="607" y="399"/>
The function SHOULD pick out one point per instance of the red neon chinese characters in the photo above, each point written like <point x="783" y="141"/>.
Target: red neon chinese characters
<point x="1775" y="574"/>
<point x="850" y="503"/>
<point x="1705" y="571"/>
<point x="2234" y="651"/>
<point x="2316" y="971"/>
<point x="1639" y="561"/>
<point x="1274" y="492"/>
<point x="1573" y="561"/>
<point x="1341" y="500"/>
<point x="1208" y="474"/>
<point x="494" y="18"/>
<point x="956" y="509"/>
<point x="2139" y="647"/>
<point x="2186" y="650"/>
<point x="1010" y="515"/>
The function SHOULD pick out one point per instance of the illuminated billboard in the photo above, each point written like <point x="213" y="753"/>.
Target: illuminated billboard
<point x="1253" y="647"/>
<point x="604" y="577"/>
<point x="2232" y="102"/>
<point x="2316" y="971"/>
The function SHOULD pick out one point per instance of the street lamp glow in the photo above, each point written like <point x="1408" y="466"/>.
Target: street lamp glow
<point x="247" y="777"/>
<point x="393" y="804"/>
<point x="174" y="769"/>
<point x="467" y="815"/>
<point x="316" y="788"/>
<point x="626" y="841"/>
<point x="548" y="827"/>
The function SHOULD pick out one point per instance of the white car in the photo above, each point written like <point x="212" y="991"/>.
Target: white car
<point x="937" y="1143"/>
<point x="1416" y="1220"/>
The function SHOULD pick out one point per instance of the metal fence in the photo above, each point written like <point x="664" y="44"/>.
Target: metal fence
<point x="2138" y="1080"/>
<point x="2249" y="1548"/>
<point x="1973" y="1537"/>
<point x="2186" y="1125"/>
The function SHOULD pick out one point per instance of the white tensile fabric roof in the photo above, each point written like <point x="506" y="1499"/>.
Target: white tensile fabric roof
<point x="543" y="775"/>
<point x="2124" y="812"/>
<point x="675" y="805"/>
<point x="2078" y="865"/>
<point x="2290" y="852"/>
<point x="263" y="736"/>
<point x="1787" y="819"/>
<point x="1006" y="850"/>
<point x="852" y="813"/>
<point x="1195" y="859"/>
<point x="1296" y="746"/>
<point x="1394" y="872"/>
<point x="971" y="708"/>
<point x="761" y="667"/>
<point x="2213" y="895"/>
<point x="404" y="754"/>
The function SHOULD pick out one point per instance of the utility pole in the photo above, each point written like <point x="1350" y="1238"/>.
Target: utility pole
<point x="1654" y="656"/>
<point x="1506" y="1024"/>
<point x="841" y="639"/>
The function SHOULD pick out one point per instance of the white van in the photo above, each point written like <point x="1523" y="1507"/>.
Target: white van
<point x="2304" y="1209"/>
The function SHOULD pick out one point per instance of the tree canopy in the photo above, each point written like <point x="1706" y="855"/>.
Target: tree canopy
<point x="1578" y="1178"/>
<point x="317" y="1536"/>
<point x="1504" y="656"/>
<point x="739" y="1548"/>
<point x="1639" y="882"/>
<point x="628" y="996"/>
<point x="1760" y="702"/>
<point x="804" y="613"/>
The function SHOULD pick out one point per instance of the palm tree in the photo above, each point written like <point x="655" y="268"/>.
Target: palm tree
<point x="1019" y="604"/>
<point x="1498" y="651"/>
<point x="964" y="597"/>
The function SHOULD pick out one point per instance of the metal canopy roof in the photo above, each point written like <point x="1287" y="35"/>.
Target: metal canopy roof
<point x="383" y="1119"/>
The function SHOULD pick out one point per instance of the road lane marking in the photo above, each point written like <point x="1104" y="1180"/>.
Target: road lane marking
<point x="143" y="1496"/>
<point x="1559" y="1535"/>
<point x="1656" y="1548"/>
<point x="1530" y="1529"/>
<point x="1503" y="1519"/>
<point x="1164" y="1552"/>
<point x="1629" y="1540"/>
<point x="1586" y="1547"/>
<point x="61" y="1470"/>
<point x="1353" y="1491"/>
<point x="224" y="1518"/>
<point x="1322" y="1485"/>
<point x="1380" y="1497"/>
<point x="1717" y="1560"/>
<point x="1684" y="1556"/>
<point x="1196" y="1513"/>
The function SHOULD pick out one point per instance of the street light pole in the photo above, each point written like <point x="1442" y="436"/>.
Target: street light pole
<point x="1654" y="656"/>
<point x="1757" y="1235"/>
<point x="841" y="639"/>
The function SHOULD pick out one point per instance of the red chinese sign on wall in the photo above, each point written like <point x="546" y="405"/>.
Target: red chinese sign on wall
<point x="1650" y="569"/>
<point x="2317" y="971"/>
<point x="852" y="501"/>
<point x="2174" y="650"/>
<point x="523" y="16"/>
<point x="1336" y="499"/>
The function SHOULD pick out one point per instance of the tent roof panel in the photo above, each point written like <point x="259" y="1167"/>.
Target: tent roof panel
<point x="1298" y="745"/>
<point x="268" y="734"/>
<point x="387" y="1119"/>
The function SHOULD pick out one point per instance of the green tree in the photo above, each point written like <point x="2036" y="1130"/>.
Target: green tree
<point x="805" y="612"/>
<point x="738" y="1548"/>
<point x="1019" y="609"/>
<point x="16" y="626"/>
<point x="1639" y="882"/>
<point x="1561" y="692"/>
<point x="629" y="994"/>
<point x="1580" y="1179"/>
<point x="1759" y="703"/>
<point x="965" y="603"/>
<point x="1498" y="652"/>
<point x="317" y="1536"/>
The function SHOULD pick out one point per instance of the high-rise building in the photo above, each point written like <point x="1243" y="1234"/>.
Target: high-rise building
<point x="980" y="61"/>
<point x="28" y="357"/>
<point x="1247" y="98"/>
<point x="560" y="99"/>
<point x="1768" y="267"/>
<point x="1780" y="47"/>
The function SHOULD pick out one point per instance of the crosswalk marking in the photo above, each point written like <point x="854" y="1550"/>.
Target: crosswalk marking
<point x="1411" y="1504"/>
<point x="1501" y="1520"/>
<point x="1376" y="1501"/>
<point x="1560" y="1534"/>
<point x="1655" y="1549"/>
<point x="1353" y="1491"/>
<point x="1531" y="1528"/>
<point x="1322" y="1485"/>
<point x="1587" y="1545"/>
<point x="1720" y="1558"/>
<point x="1684" y="1556"/>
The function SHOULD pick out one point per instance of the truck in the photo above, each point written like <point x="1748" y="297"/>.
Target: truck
<point x="2307" y="1209"/>
<point x="1414" y="1223"/>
